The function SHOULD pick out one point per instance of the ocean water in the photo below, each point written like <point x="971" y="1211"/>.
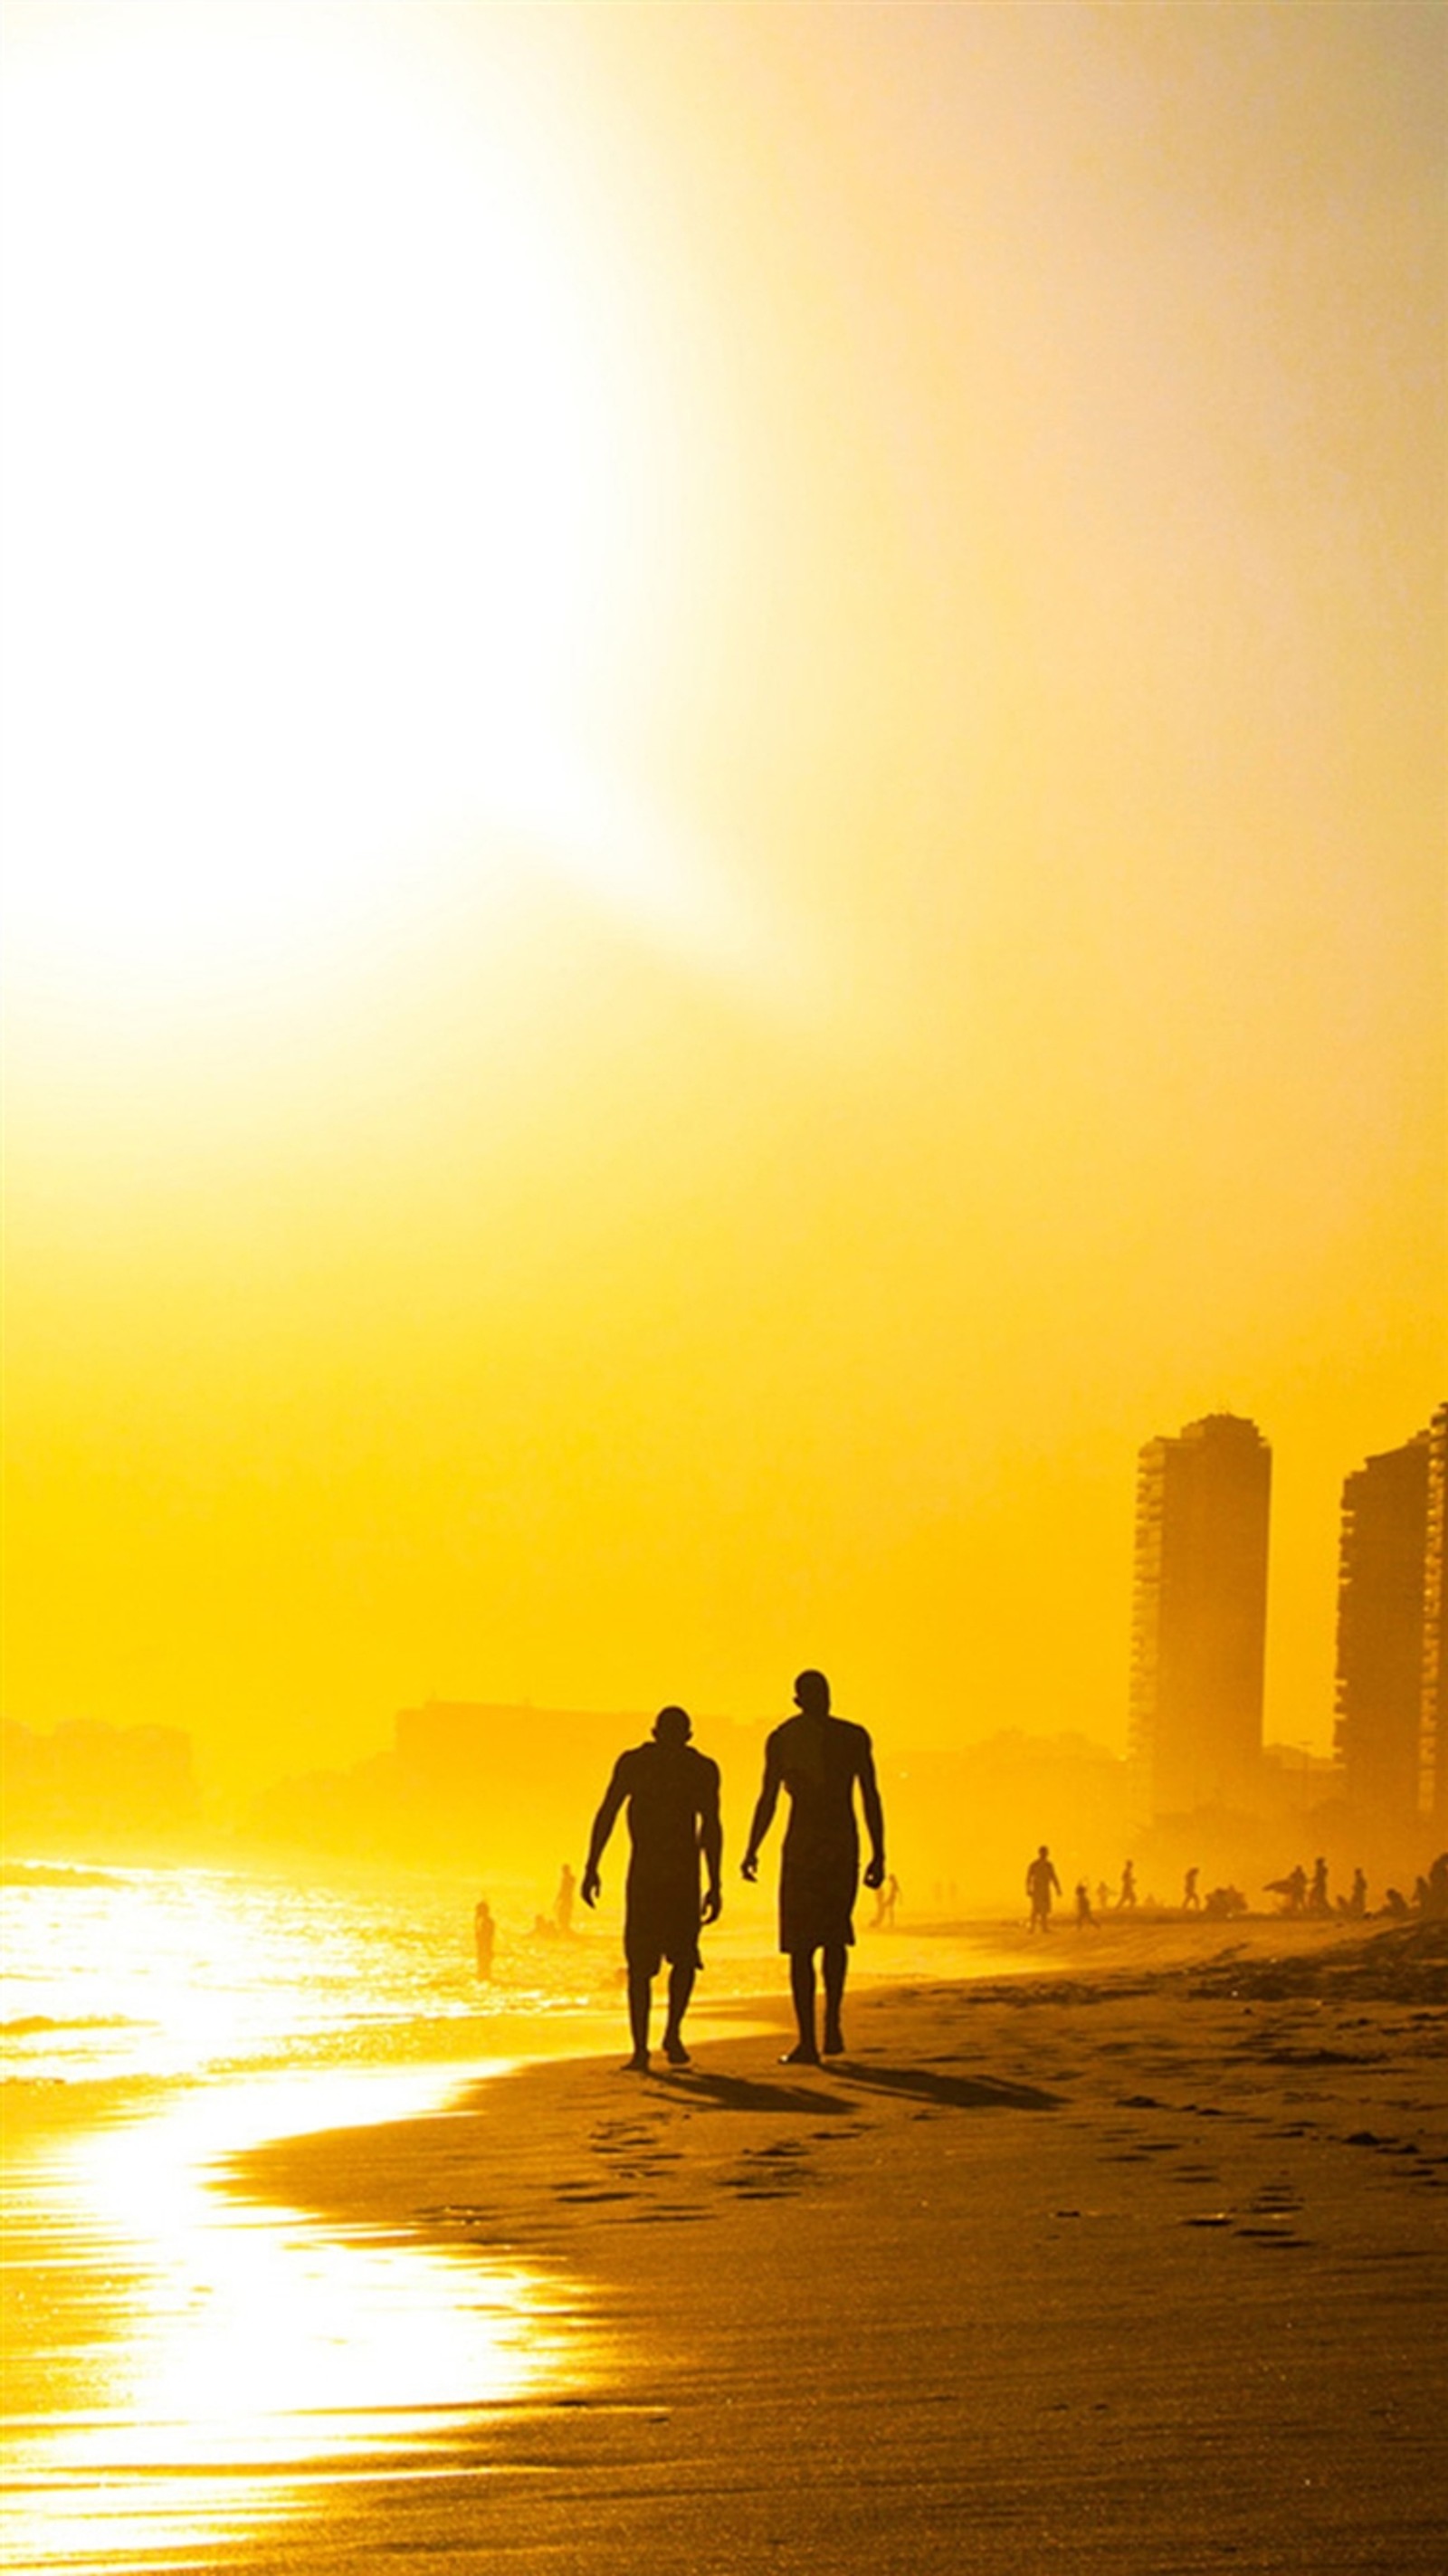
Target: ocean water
<point x="190" y="2374"/>
<point x="182" y="1974"/>
<point x="187" y="2372"/>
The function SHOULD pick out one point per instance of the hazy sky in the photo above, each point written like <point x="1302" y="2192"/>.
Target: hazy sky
<point x="726" y="827"/>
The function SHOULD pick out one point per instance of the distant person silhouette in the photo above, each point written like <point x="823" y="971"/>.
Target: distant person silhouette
<point x="1357" y="1903"/>
<point x="1084" y="1914"/>
<point x="1041" y="1885"/>
<point x="672" y="1795"/>
<point x="563" y="1901"/>
<point x="818" y="1758"/>
<point x="1191" y="1901"/>
<point x="484" y="1935"/>
<point x="1223" y="1902"/>
<point x="1317" y="1894"/>
<point x="1293" y="1887"/>
<point x="1128" y="1884"/>
<point x="886" y="1900"/>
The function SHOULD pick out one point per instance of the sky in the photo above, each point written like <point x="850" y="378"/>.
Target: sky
<point x="725" y="811"/>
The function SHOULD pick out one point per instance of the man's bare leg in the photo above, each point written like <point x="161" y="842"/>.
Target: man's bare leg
<point x="640" y="1996"/>
<point x="802" y="1987"/>
<point x="681" y="1986"/>
<point x="836" y="1959"/>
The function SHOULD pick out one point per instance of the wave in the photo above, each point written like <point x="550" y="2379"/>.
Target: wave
<point x="28" y="2024"/>
<point x="50" y="1873"/>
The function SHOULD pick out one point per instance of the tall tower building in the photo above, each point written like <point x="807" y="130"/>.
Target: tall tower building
<point x="1199" y="1623"/>
<point x="1392" y="1653"/>
<point x="1433" y="1717"/>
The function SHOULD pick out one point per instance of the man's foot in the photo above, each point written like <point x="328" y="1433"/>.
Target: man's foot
<point x="674" y="2049"/>
<point x="800" y="2056"/>
<point x="638" y="2064"/>
<point x="833" y="2043"/>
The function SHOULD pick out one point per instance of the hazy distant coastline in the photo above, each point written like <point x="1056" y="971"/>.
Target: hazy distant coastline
<point x="503" y="1794"/>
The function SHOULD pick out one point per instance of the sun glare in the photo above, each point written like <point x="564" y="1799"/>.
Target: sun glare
<point x="306" y="477"/>
<point x="270" y="2358"/>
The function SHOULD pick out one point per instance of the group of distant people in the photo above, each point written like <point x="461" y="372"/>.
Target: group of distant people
<point x="546" y="1927"/>
<point x="1310" y="1896"/>
<point x="1043" y="1887"/>
<point x="1303" y="1895"/>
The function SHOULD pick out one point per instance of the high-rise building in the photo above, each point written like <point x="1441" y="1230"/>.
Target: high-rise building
<point x="1392" y="1653"/>
<point x="1199" y="1622"/>
<point x="1433" y="1719"/>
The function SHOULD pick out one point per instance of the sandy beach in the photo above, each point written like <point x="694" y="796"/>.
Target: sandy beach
<point x="1138" y="2261"/>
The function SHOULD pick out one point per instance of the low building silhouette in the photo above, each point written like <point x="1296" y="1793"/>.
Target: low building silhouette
<point x="499" y="1787"/>
<point x="107" y="1788"/>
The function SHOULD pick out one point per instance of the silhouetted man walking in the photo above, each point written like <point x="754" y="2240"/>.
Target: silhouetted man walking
<point x="672" y="1794"/>
<point x="818" y="1758"/>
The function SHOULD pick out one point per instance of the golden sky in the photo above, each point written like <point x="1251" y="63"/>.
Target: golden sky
<point x="725" y="821"/>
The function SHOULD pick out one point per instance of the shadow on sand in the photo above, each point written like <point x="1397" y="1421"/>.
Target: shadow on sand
<point x="942" y="2092"/>
<point x="742" y="2093"/>
<point x="952" y="2092"/>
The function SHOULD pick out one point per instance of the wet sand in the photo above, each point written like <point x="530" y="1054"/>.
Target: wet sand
<point x="1138" y="2262"/>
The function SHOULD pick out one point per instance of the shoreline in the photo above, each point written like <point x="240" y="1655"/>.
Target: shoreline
<point x="1132" y="2266"/>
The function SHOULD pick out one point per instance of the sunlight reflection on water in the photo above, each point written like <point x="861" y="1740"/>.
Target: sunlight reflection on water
<point x="227" y="2354"/>
<point x="166" y="1972"/>
<point x="182" y="2366"/>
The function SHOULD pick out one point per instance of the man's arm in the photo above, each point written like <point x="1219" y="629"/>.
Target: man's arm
<point x="603" y="1825"/>
<point x="874" y="1814"/>
<point x="711" y="1843"/>
<point x="763" y="1813"/>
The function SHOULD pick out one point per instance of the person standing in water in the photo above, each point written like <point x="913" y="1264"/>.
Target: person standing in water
<point x="818" y="1758"/>
<point x="672" y="1794"/>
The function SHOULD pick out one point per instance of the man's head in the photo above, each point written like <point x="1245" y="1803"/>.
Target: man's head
<point x="673" y="1726"/>
<point x="812" y="1694"/>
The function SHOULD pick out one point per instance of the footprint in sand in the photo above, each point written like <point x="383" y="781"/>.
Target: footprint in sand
<point x="633" y="2148"/>
<point x="1270" y="2213"/>
<point x="1275" y="2198"/>
<point x="772" y="2172"/>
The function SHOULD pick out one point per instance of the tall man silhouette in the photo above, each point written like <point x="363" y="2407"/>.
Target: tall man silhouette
<point x="818" y="1758"/>
<point x="672" y="1794"/>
